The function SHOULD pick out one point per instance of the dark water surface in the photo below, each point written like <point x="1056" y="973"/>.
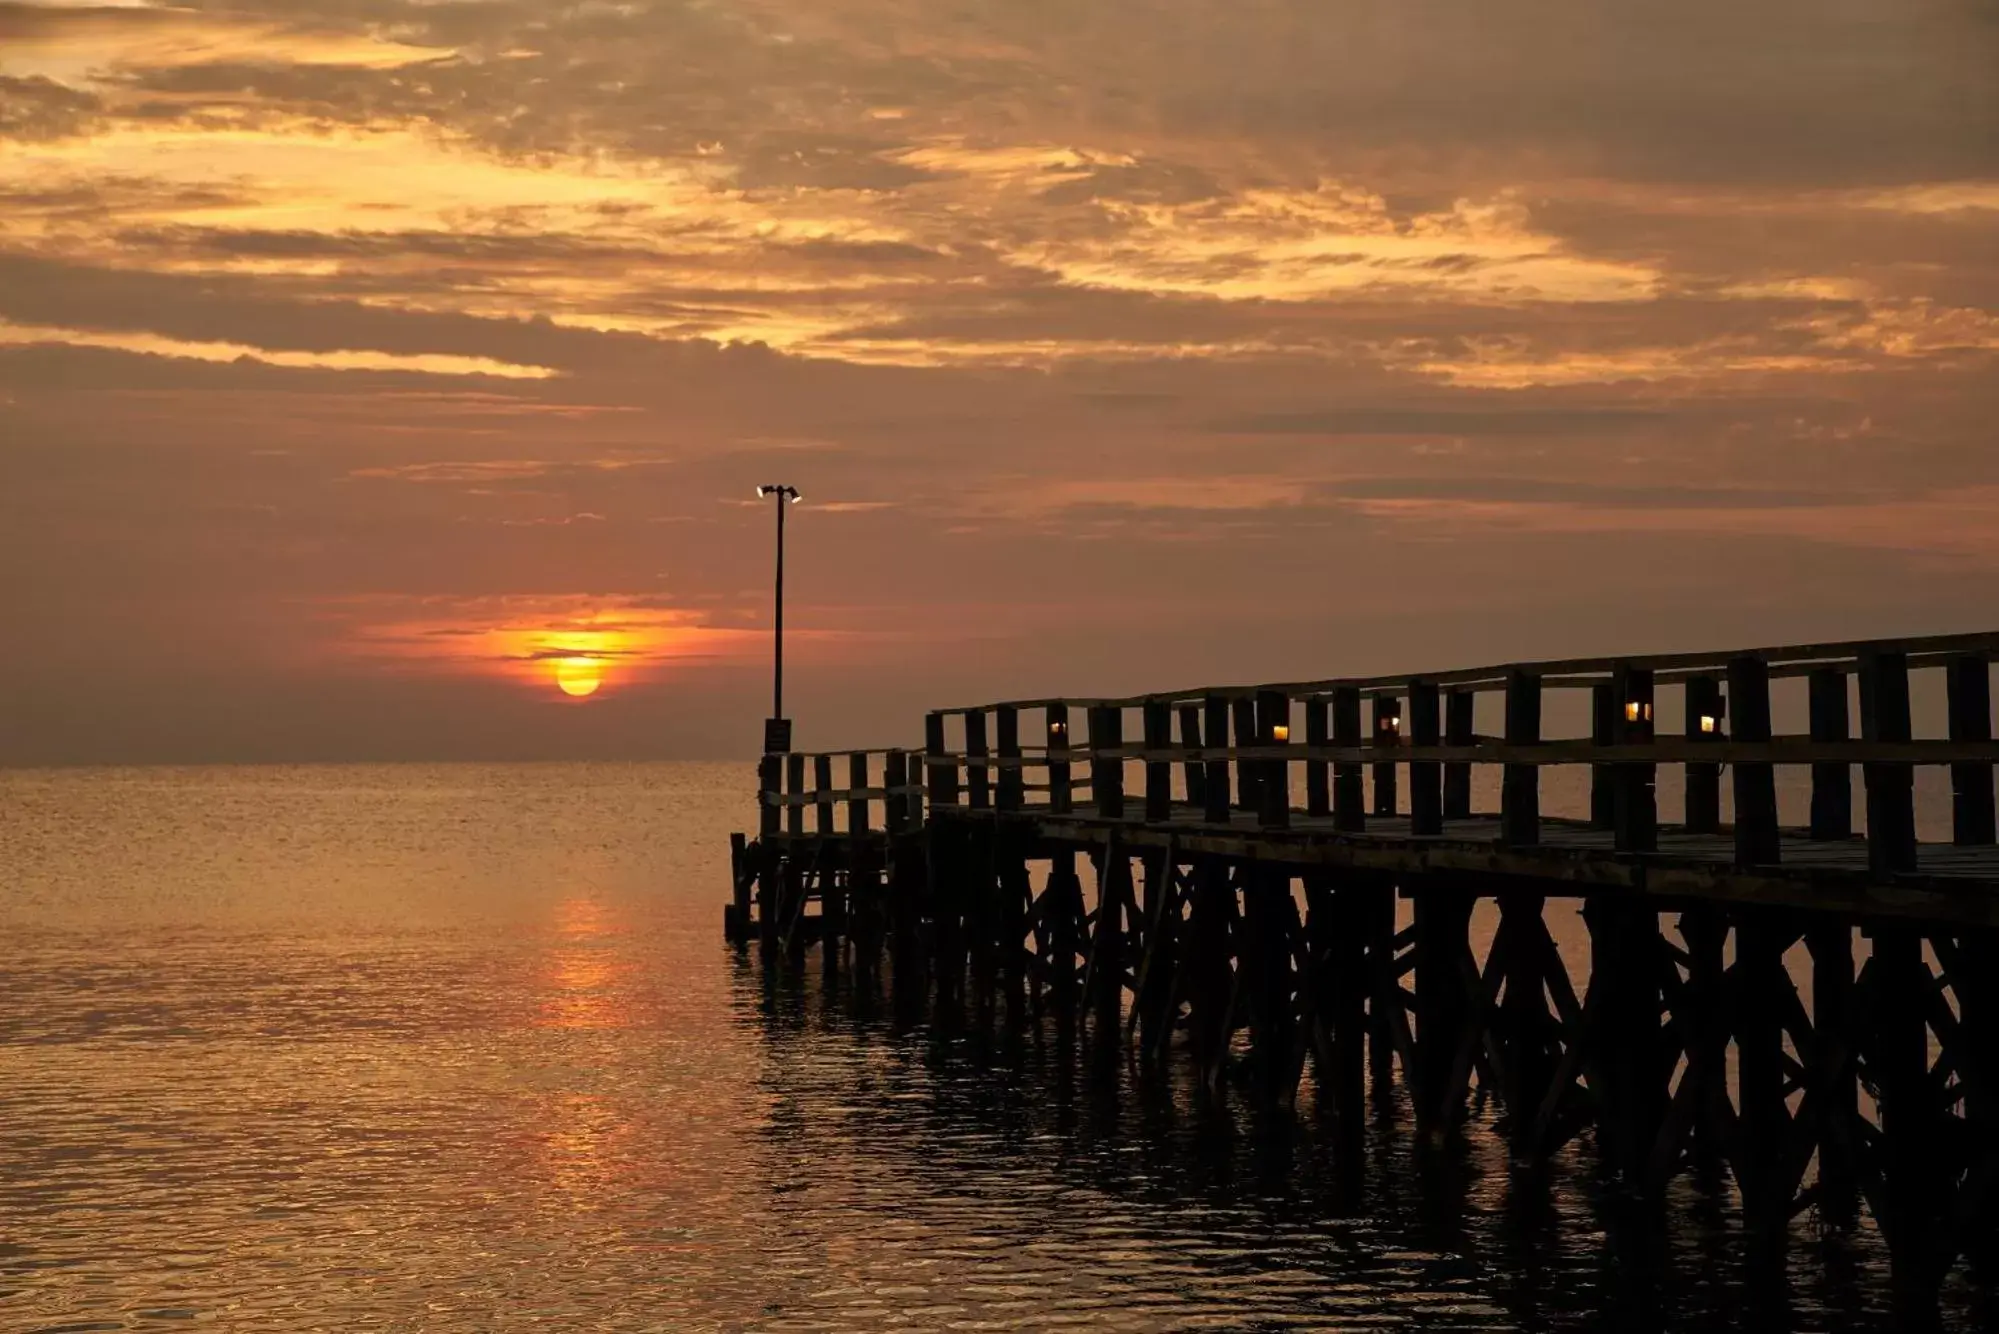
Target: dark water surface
<point x="459" y="1048"/>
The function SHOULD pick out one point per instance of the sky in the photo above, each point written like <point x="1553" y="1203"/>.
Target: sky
<point x="372" y="369"/>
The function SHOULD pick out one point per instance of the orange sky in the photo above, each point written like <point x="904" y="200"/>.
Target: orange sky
<point x="366" y="366"/>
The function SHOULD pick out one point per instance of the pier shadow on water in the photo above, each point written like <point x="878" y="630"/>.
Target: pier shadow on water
<point x="968" y="1178"/>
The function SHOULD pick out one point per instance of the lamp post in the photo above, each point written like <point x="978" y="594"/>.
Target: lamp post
<point x="777" y="728"/>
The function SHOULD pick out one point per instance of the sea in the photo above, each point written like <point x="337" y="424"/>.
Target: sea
<point x="461" y="1048"/>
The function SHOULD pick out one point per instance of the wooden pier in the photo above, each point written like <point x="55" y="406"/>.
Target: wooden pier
<point x="1283" y="881"/>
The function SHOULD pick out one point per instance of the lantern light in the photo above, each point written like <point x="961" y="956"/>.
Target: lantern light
<point x="1637" y="711"/>
<point x="1281" y="732"/>
<point x="1058" y="728"/>
<point x="1708" y="722"/>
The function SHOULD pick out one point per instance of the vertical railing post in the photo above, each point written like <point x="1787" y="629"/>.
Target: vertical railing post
<point x="1216" y="708"/>
<point x="822" y="791"/>
<point x="1426" y="777"/>
<point x="1194" y="771"/>
<point x="1158" y="723"/>
<point x="1012" y="779"/>
<point x="1832" y="784"/>
<point x="1458" y="731"/>
<point x="895" y="806"/>
<point x="1602" y="732"/>
<point x="770" y="795"/>
<point x="794" y="783"/>
<point x="1061" y="795"/>
<point x="1388" y="735"/>
<point x="940" y="771"/>
<point x="1349" y="777"/>
<point x="1703" y="727"/>
<point x="1636" y="817"/>
<point x="978" y="775"/>
<point x="1520" y="784"/>
<point x="857" y="801"/>
<point x="1273" y="730"/>
<point x="1891" y="787"/>
<point x="1248" y="775"/>
<point x="1756" y="837"/>
<point x="1106" y="722"/>
<point x="1318" y="774"/>
<point x="1969" y="683"/>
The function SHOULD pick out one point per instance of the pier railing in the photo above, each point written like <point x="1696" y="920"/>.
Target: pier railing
<point x="1222" y="755"/>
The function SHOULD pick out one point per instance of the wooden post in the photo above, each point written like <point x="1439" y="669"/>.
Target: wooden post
<point x="1755" y="784"/>
<point x="1062" y="908"/>
<point x="1158" y="723"/>
<point x="1832" y="784"/>
<point x="1637" y="805"/>
<point x="1061" y="799"/>
<point x="1830" y="1078"/>
<point x="1443" y="1003"/>
<point x="1969" y="681"/>
<point x="1273" y="729"/>
<point x="1627" y="960"/>
<point x="1318" y="774"/>
<point x="895" y="806"/>
<point x="1267" y="914"/>
<point x="1217" y="709"/>
<point x="1898" y="1061"/>
<point x="1704" y="715"/>
<point x="1529" y="1032"/>
<point x="1426" y="777"/>
<point x="770" y="795"/>
<point x="1195" y="773"/>
<point x="794" y="784"/>
<point x="1760" y="941"/>
<point x="738" y="917"/>
<point x="1249" y="789"/>
<point x="1349" y="786"/>
<point x="1520" y="784"/>
<point x="1387" y="733"/>
<point x="1342" y="943"/>
<point x="978" y="775"/>
<point x="822" y="785"/>
<point x="1891" y="788"/>
<point x="1459" y="706"/>
<point x="857" y="783"/>
<point x="1012" y="779"/>
<point x="941" y="772"/>
<point x="1106" y="723"/>
<point x="1602" y="732"/>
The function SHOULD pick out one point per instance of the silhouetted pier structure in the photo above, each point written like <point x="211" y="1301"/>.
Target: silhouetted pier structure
<point x="1815" y="1007"/>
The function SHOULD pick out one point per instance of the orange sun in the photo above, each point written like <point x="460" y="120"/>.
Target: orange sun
<point x="577" y="677"/>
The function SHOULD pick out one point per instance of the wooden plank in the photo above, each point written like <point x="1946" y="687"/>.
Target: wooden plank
<point x="1704" y="719"/>
<point x="1216" y="794"/>
<point x="1832" y="781"/>
<point x="1387" y="734"/>
<point x="1635" y="815"/>
<point x="978" y="774"/>
<point x="1520" y="785"/>
<point x="1242" y="717"/>
<point x="1318" y="778"/>
<point x="1194" y="772"/>
<point x="1349" y="786"/>
<point x="1458" y="731"/>
<point x="942" y="772"/>
<point x="1158" y="724"/>
<point x="1106" y="728"/>
<point x="794" y="783"/>
<point x="1756" y="839"/>
<point x="822" y="789"/>
<point x="1273" y="730"/>
<point x="1426" y="779"/>
<point x="1969" y="683"/>
<point x="1061" y="798"/>
<point x="1891" y="789"/>
<point x="1012" y="783"/>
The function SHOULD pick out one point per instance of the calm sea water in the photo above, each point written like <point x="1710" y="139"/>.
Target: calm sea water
<point x="460" y="1048"/>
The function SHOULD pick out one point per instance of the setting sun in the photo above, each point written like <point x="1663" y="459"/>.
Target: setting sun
<point x="578" y="677"/>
